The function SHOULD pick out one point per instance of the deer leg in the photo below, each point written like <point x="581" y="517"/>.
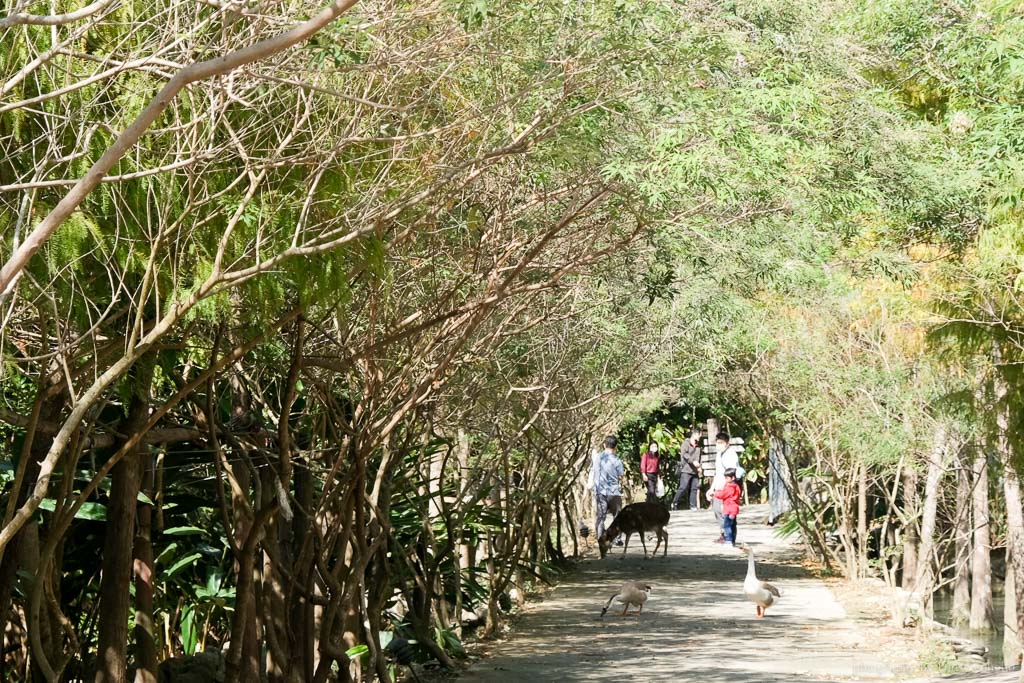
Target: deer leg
<point x="625" y="546"/>
<point x="658" y="544"/>
<point x="643" y="542"/>
<point x="662" y="534"/>
<point x="665" y="551"/>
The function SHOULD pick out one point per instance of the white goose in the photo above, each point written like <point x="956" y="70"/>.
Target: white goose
<point x="761" y="593"/>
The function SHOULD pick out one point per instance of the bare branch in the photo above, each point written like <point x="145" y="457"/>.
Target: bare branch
<point x="22" y="18"/>
<point x="190" y="74"/>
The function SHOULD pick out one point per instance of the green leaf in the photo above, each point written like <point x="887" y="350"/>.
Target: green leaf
<point x="183" y="531"/>
<point x="357" y="651"/>
<point x="189" y="633"/>
<point x="167" y="553"/>
<point x="214" y="580"/>
<point x="181" y="564"/>
<point x="91" y="511"/>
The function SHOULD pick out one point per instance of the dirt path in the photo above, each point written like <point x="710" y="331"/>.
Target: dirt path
<point x="697" y="626"/>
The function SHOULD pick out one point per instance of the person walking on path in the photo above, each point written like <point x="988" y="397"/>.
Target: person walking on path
<point x="649" y="471"/>
<point x="729" y="496"/>
<point x="688" y="469"/>
<point x="607" y="476"/>
<point x="728" y="458"/>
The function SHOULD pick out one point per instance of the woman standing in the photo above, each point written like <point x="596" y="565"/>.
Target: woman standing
<point x="649" y="471"/>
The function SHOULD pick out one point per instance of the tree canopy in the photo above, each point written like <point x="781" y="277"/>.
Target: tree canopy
<point x="328" y="305"/>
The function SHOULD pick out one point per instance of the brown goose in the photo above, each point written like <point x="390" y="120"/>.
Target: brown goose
<point x="631" y="593"/>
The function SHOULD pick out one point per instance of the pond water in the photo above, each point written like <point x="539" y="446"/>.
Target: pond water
<point x="942" y="603"/>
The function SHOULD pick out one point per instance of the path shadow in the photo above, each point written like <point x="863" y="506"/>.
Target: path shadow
<point x="696" y="626"/>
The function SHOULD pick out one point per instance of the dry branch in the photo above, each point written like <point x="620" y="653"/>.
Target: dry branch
<point x="127" y="139"/>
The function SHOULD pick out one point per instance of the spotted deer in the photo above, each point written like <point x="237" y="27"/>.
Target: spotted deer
<point x="637" y="518"/>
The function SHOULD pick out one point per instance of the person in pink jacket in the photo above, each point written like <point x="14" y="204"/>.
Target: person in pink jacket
<point x="730" y="497"/>
<point x="649" y="471"/>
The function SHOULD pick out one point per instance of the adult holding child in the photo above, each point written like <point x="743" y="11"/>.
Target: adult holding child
<point x="728" y="458"/>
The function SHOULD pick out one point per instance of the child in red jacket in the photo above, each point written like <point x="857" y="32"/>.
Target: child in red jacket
<point x="730" y="497"/>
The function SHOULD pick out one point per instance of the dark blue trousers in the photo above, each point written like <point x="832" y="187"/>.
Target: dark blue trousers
<point x="729" y="528"/>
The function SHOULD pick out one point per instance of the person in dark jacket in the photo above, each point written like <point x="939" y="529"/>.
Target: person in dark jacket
<point x="689" y="471"/>
<point x="649" y="471"/>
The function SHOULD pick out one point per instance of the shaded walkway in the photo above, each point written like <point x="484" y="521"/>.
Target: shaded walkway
<point x="697" y="626"/>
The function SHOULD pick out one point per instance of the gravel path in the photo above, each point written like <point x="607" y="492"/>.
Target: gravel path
<point x="697" y="626"/>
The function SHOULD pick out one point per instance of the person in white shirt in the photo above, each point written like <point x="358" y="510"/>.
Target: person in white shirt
<point x="728" y="458"/>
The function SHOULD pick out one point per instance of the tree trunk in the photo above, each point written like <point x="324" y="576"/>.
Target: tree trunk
<point x="571" y="524"/>
<point x="924" y="582"/>
<point x="494" y="576"/>
<point x="461" y="548"/>
<point x="912" y="535"/>
<point x="29" y="560"/>
<point x="115" y="595"/>
<point x="559" y="553"/>
<point x="145" y="630"/>
<point x="243" y="655"/>
<point x="17" y="557"/>
<point x="961" y="613"/>
<point x="243" y="662"/>
<point x="11" y="634"/>
<point x="1013" y="612"/>
<point x="1014" y="635"/>
<point x="1011" y="639"/>
<point x="273" y="607"/>
<point x="302" y="625"/>
<point x="862" y="521"/>
<point x="241" y="665"/>
<point x="981" y="562"/>
<point x="849" y="546"/>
